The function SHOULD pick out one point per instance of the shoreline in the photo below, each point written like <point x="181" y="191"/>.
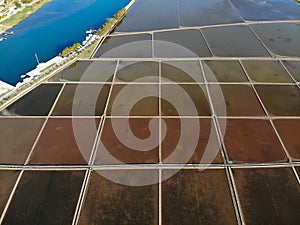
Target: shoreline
<point x="15" y="19"/>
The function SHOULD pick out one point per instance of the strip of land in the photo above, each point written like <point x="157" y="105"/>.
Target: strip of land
<point x="15" y="19"/>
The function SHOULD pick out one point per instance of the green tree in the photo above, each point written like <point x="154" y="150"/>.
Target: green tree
<point x="17" y="4"/>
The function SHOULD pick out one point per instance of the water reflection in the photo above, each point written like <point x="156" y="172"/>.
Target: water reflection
<point x="281" y="38"/>
<point x="256" y="10"/>
<point x="203" y="12"/>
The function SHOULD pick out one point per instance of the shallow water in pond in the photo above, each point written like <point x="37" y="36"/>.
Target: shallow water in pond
<point x="269" y="195"/>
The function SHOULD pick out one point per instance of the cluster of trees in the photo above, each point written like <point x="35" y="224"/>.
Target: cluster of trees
<point x="17" y="4"/>
<point x="111" y="22"/>
<point x="26" y="1"/>
<point x="69" y="50"/>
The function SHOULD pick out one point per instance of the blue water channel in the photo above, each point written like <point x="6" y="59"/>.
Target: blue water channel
<point x="56" y="25"/>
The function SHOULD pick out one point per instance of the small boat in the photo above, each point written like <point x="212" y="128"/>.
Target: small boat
<point x="91" y="31"/>
<point x="3" y="38"/>
<point x="8" y="33"/>
<point x="24" y="76"/>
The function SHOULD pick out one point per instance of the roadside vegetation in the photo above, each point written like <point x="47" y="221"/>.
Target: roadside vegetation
<point x="69" y="50"/>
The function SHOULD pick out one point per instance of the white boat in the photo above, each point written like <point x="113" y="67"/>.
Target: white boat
<point x="3" y="39"/>
<point x="91" y="31"/>
<point x="8" y="33"/>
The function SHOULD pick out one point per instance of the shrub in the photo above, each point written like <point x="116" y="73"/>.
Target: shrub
<point x="69" y="50"/>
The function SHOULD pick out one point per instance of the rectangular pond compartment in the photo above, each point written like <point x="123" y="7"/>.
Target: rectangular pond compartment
<point x="207" y="142"/>
<point x="193" y="102"/>
<point x="109" y="202"/>
<point x="261" y="10"/>
<point x="116" y="131"/>
<point x="145" y="71"/>
<point x="197" y="197"/>
<point x="224" y="71"/>
<point x="203" y="12"/>
<point x="38" y="102"/>
<point x="82" y="100"/>
<point x="234" y="41"/>
<point x="280" y="100"/>
<point x="58" y="144"/>
<point x="126" y="46"/>
<point x="122" y="100"/>
<point x="294" y="68"/>
<point x="148" y="15"/>
<point x="87" y="71"/>
<point x="17" y="138"/>
<point x="235" y="100"/>
<point x="45" y="197"/>
<point x="8" y="179"/>
<point x="180" y="44"/>
<point x="282" y="39"/>
<point x="266" y="71"/>
<point x="181" y="71"/>
<point x="268" y="195"/>
<point x="252" y="140"/>
<point x="289" y="130"/>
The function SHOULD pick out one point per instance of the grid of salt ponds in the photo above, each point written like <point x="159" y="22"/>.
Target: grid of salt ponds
<point x="53" y="174"/>
<point x="257" y="154"/>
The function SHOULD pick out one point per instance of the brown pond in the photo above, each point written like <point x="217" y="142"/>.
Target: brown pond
<point x="45" y="197"/>
<point x="280" y="100"/>
<point x="206" y="133"/>
<point x="108" y="202"/>
<point x="197" y="197"/>
<point x="194" y="94"/>
<point x="57" y="144"/>
<point x="125" y="104"/>
<point x="240" y="100"/>
<point x="268" y="196"/>
<point x="7" y="181"/>
<point x="289" y="131"/>
<point x="18" y="138"/>
<point x="110" y="143"/>
<point x="252" y="140"/>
